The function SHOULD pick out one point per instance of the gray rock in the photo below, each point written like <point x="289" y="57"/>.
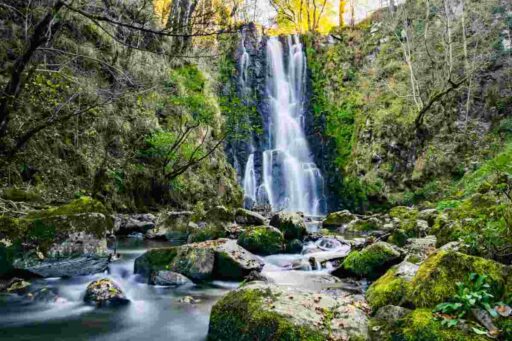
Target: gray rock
<point x="246" y="217"/>
<point x="301" y="311"/>
<point x="391" y="313"/>
<point x="194" y="261"/>
<point x="337" y="219"/>
<point x="169" y="278"/>
<point x="420" y="248"/>
<point x="428" y="215"/>
<point x="104" y="292"/>
<point x="126" y="224"/>
<point x="80" y="254"/>
<point x="451" y="246"/>
<point x="406" y="270"/>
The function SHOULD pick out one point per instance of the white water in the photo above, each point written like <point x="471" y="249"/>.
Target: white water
<point x="250" y="178"/>
<point x="291" y="179"/>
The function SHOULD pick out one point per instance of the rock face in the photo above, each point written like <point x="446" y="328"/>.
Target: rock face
<point x="169" y="278"/>
<point x="291" y="224"/>
<point x="269" y="312"/>
<point x="68" y="240"/>
<point x="217" y="259"/>
<point x="246" y="217"/>
<point x="371" y="262"/>
<point x="264" y="240"/>
<point x="104" y="292"/>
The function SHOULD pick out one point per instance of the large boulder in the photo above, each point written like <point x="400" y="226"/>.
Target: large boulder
<point x="125" y="224"/>
<point x="435" y="281"/>
<point x="371" y="262"/>
<point x="220" y="214"/>
<point x="173" y="226"/>
<point x="391" y="288"/>
<point x="261" y="311"/>
<point x="418" y="249"/>
<point x="246" y="217"/>
<point x="68" y="240"/>
<point x="264" y="240"/>
<point x="104" y="292"/>
<point x="215" y="259"/>
<point x="291" y="224"/>
<point x="153" y="261"/>
<point x="338" y="219"/>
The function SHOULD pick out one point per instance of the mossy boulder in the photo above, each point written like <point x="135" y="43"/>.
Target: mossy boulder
<point x="105" y="292"/>
<point x="67" y="240"/>
<point x="337" y="219"/>
<point x="154" y="260"/>
<point x="405" y="218"/>
<point x="260" y="311"/>
<point x="264" y="240"/>
<point x="246" y="217"/>
<point x="435" y="281"/>
<point x="220" y="214"/>
<point x="421" y="325"/>
<point x="371" y="262"/>
<point x="291" y="224"/>
<point x="392" y="287"/>
<point x="214" y="259"/>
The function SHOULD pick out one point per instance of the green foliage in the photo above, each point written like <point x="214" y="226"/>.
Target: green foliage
<point x="471" y="294"/>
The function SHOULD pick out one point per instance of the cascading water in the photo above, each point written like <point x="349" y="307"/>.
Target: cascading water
<point x="291" y="180"/>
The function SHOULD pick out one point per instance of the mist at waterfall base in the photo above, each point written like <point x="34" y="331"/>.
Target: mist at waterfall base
<point x="290" y="179"/>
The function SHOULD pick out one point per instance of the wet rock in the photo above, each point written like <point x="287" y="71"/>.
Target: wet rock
<point x="371" y="262"/>
<point x="104" y="292"/>
<point x="246" y="217"/>
<point x="126" y="224"/>
<point x="169" y="278"/>
<point x="194" y="261"/>
<point x="270" y="312"/>
<point x="173" y="226"/>
<point x="44" y="295"/>
<point x="293" y="246"/>
<point x="15" y="286"/>
<point x="258" y="276"/>
<point x="291" y="224"/>
<point x="154" y="261"/>
<point x="189" y="300"/>
<point x="263" y="240"/>
<point x="338" y="219"/>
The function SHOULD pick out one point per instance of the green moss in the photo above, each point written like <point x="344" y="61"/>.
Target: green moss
<point x="337" y="219"/>
<point x="155" y="260"/>
<point x="78" y="206"/>
<point x="420" y="325"/>
<point x="207" y="233"/>
<point x="16" y="194"/>
<point x="238" y="316"/>
<point x="407" y="219"/>
<point x="435" y="281"/>
<point x="372" y="261"/>
<point x="398" y="237"/>
<point x="387" y="290"/>
<point x="262" y="240"/>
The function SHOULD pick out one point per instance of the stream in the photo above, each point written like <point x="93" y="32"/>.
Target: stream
<point x="154" y="312"/>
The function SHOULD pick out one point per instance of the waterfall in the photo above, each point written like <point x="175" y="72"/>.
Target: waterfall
<point x="291" y="179"/>
<point x="288" y="177"/>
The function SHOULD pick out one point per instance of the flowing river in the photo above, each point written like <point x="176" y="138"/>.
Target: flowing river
<point x="154" y="313"/>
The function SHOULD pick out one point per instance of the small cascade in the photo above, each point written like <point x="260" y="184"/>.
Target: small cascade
<point x="249" y="182"/>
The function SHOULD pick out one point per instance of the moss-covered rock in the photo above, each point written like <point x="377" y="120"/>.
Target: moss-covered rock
<point x="435" y="281"/>
<point x="17" y="194"/>
<point x="338" y="219"/>
<point x="154" y="260"/>
<point x="220" y="214"/>
<point x="174" y="226"/>
<point x="246" y="217"/>
<point x="421" y="325"/>
<point x="268" y="312"/>
<point x="104" y="292"/>
<point x="210" y="232"/>
<point x="264" y="240"/>
<point x="291" y="224"/>
<point x="371" y="262"/>
<point x="392" y="287"/>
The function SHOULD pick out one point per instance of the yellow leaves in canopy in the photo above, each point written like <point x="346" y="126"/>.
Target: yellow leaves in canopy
<point x="162" y="9"/>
